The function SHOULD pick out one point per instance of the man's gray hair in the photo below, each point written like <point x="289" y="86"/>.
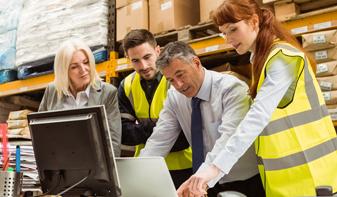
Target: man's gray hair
<point x="175" y="50"/>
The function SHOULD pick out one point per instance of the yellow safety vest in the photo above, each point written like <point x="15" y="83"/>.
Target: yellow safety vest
<point x="175" y="160"/>
<point x="297" y="149"/>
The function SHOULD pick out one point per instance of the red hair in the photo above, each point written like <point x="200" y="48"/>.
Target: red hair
<point x="233" y="11"/>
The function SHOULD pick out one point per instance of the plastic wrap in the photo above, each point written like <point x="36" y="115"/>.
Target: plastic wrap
<point x="44" y="25"/>
<point x="9" y="16"/>
<point x="7" y="50"/>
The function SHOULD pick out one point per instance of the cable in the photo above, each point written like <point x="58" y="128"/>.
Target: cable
<point x="74" y="185"/>
<point x="64" y="191"/>
<point x="59" y="181"/>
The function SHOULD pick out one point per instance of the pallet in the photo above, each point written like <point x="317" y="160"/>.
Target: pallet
<point x="46" y="65"/>
<point x="7" y="75"/>
<point x="36" y="68"/>
<point x="187" y="33"/>
<point x="289" y="9"/>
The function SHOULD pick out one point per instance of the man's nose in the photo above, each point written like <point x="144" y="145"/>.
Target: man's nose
<point x="179" y="84"/>
<point x="143" y="64"/>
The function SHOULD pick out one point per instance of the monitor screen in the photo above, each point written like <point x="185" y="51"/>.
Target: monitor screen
<point x="73" y="151"/>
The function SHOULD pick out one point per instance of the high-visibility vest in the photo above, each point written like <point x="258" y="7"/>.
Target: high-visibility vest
<point x="297" y="149"/>
<point x="175" y="160"/>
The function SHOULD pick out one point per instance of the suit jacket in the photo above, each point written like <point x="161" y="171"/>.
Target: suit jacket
<point x="105" y="95"/>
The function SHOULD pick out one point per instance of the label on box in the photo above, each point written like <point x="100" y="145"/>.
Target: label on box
<point x="211" y="48"/>
<point x="327" y="96"/>
<point x="322" y="25"/>
<point x="299" y="30"/>
<point x="136" y="5"/>
<point x="321" y="55"/>
<point x="166" y="5"/>
<point x="321" y="68"/>
<point x="333" y="116"/>
<point x="122" y="66"/>
<point x="325" y="85"/>
<point x="317" y="39"/>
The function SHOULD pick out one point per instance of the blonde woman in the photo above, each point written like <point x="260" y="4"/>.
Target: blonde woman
<point x="77" y="84"/>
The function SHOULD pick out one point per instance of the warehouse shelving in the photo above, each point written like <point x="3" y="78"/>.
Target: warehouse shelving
<point x="313" y="21"/>
<point x="204" y="46"/>
<point x="323" y="19"/>
<point x="41" y="82"/>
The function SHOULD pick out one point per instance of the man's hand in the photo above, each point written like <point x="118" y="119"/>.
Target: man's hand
<point x="148" y="126"/>
<point x="196" y="185"/>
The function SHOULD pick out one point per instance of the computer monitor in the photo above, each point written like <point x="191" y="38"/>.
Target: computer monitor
<point x="73" y="149"/>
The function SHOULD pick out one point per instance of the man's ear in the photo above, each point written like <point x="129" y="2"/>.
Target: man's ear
<point x="157" y="49"/>
<point x="126" y="54"/>
<point x="196" y="61"/>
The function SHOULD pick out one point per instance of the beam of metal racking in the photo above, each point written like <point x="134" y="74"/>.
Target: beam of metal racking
<point x="313" y="21"/>
<point x="37" y="83"/>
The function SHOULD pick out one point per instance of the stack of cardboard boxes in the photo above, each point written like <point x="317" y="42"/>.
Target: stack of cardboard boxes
<point x="323" y="48"/>
<point x="289" y="9"/>
<point x="161" y="15"/>
<point x="131" y="14"/>
<point x="206" y="9"/>
<point x="155" y="15"/>
<point x="18" y="124"/>
<point x="284" y="9"/>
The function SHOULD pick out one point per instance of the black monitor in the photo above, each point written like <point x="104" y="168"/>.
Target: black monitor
<point x="73" y="150"/>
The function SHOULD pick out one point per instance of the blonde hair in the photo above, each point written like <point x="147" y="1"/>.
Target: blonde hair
<point x="62" y="61"/>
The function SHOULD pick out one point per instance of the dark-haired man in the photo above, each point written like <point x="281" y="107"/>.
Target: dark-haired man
<point x="141" y="98"/>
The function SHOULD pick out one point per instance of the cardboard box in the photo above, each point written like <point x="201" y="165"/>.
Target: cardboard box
<point x="332" y="106"/>
<point x="319" y="40"/>
<point x="132" y="16"/>
<point x="330" y="97"/>
<point x="207" y="7"/>
<point x="326" y="69"/>
<point x="19" y="131"/>
<point x="19" y="115"/>
<point x="325" y="55"/>
<point x="123" y="3"/>
<point x="333" y="113"/>
<point x="327" y="83"/>
<point x="15" y="124"/>
<point x="168" y="15"/>
<point x="285" y="11"/>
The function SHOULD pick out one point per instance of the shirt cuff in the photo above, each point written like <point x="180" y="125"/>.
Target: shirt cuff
<point x="212" y="182"/>
<point x="225" y="161"/>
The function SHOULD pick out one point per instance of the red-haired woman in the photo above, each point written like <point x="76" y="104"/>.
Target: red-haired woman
<point x="294" y="136"/>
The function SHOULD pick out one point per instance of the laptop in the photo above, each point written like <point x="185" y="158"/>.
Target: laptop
<point x="144" y="177"/>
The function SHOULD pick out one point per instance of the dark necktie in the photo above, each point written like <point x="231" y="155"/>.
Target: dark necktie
<point x="196" y="132"/>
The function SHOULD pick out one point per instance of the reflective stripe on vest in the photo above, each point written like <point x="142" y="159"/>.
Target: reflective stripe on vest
<point x="133" y="90"/>
<point x="297" y="149"/>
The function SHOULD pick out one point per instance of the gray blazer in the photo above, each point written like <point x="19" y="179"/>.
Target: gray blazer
<point x="106" y="95"/>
